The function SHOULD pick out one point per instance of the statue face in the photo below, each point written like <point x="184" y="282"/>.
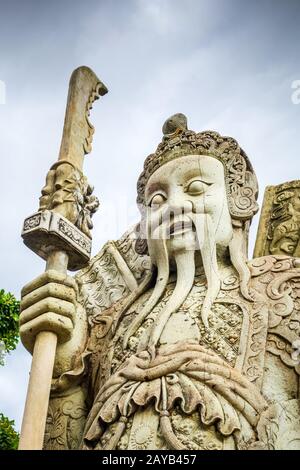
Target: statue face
<point x="187" y="220"/>
<point x="185" y="196"/>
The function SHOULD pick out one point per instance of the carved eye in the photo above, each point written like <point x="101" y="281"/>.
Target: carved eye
<point x="157" y="200"/>
<point x="196" y="187"/>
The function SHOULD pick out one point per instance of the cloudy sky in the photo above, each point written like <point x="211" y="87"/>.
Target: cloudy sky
<point x="229" y="65"/>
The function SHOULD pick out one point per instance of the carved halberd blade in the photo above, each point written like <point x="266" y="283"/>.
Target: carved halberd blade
<point x="63" y="221"/>
<point x="85" y="87"/>
<point x="60" y="233"/>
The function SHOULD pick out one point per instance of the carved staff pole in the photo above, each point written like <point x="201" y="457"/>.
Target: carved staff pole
<point x="60" y="234"/>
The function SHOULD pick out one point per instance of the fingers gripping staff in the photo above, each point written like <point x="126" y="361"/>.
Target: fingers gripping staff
<point x="60" y="233"/>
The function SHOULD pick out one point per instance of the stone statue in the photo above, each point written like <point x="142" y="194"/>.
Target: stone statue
<point x="177" y="340"/>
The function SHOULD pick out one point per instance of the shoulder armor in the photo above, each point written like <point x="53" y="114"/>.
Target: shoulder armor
<point x="112" y="274"/>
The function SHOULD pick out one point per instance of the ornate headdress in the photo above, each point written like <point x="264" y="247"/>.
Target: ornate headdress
<point x="178" y="141"/>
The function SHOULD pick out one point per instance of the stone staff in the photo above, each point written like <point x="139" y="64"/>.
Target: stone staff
<point x="60" y="233"/>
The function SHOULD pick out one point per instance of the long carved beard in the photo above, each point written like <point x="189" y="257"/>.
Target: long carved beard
<point x="160" y="255"/>
<point x="185" y="267"/>
<point x="207" y="246"/>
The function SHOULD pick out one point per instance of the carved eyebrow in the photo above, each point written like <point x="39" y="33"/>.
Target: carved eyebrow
<point x="198" y="178"/>
<point x="196" y="173"/>
<point x="151" y="195"/>
<point x="156" y="187"/>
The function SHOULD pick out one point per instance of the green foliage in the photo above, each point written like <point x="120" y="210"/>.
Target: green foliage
<point x="9" y="438"/>
<point x="9" y="323"/>
<point x="9" y="336"/>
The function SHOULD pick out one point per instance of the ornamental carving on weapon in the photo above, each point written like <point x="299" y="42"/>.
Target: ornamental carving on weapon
<point x="67" y="203"/>
<point x="68" y="192"/>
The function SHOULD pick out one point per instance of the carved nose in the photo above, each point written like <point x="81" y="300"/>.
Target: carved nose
<point x="177" y="209"/>
<point x="177" y="205"/>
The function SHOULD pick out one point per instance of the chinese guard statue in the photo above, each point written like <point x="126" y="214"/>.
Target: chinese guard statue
<point x="170" y="338"/>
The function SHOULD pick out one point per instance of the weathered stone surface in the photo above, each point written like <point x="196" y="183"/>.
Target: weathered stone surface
<point x="279" y="227"/>
<point x="179" y="341"/>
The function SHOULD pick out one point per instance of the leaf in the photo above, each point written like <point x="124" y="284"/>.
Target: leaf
<point x="9" y="322"/>
<point x="9" y="438"/>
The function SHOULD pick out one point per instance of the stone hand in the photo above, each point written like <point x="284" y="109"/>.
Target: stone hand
<point x="48" y="303"/>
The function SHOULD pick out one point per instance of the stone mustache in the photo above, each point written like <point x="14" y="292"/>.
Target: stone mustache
<point x="178" y="341"/>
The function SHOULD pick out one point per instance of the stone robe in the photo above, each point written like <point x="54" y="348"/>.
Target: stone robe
<point x="234" y="385"/>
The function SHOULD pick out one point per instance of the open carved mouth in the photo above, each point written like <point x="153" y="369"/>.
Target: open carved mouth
<point x="180" y="227"/>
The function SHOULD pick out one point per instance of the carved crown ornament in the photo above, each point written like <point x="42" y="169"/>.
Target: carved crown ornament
<point x="179" y="141"/>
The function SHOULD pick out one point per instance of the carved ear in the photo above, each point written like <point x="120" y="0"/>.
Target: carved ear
<point x="242" y="191"/>
<point x="140" y="246"/>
